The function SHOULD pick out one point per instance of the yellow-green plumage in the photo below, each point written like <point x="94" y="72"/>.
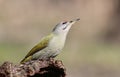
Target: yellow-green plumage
<point x="44" y="42"/>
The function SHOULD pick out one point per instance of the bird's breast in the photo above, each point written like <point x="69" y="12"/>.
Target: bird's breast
<point x="57" y="42"/>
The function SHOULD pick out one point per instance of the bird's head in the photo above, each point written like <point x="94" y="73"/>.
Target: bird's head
<point x="64" y="27"/>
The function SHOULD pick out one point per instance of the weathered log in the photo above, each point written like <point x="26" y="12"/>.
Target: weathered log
<point x="34" y="68"/>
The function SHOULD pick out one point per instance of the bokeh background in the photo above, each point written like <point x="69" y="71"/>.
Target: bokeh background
<point x="93" y="44"/>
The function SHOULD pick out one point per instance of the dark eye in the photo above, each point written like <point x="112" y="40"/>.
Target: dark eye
<point x="64" y="22"/>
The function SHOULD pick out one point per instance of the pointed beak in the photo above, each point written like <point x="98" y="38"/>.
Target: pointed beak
<point x="73" y="21"/>
<point x="70" y="23"/>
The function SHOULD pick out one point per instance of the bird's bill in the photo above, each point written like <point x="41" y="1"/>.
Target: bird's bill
<point x="70" y="23"/>
<point x="73" y="21"/>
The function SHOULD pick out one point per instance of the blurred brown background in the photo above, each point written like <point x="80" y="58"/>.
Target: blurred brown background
<point x="92" y="47"/>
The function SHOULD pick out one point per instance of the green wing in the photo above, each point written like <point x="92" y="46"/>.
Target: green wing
<point x="44" y="42"/>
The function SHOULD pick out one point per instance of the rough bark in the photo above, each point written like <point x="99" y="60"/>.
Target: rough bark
<point x="34" y="68"/>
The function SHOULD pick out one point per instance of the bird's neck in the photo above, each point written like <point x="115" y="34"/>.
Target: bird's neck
<point x="63" y="35"/>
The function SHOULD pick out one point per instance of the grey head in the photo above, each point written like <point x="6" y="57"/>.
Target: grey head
<point x="64" y="27"/>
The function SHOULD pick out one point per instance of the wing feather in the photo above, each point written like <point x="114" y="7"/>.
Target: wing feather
<point x="43" y="44"/>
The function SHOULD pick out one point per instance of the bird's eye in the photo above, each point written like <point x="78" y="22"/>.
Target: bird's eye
<point x="64" y="22"/>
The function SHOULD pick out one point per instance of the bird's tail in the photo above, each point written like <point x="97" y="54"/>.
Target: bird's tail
<point x="26" y="59"/>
